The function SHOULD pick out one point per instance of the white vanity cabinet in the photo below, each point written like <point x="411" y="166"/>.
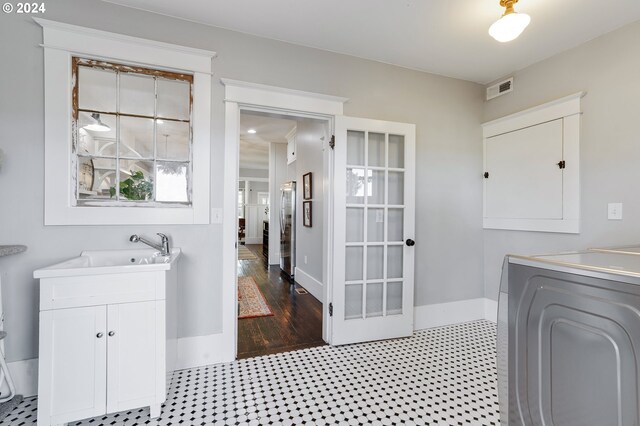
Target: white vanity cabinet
<point x="107" y="343"/>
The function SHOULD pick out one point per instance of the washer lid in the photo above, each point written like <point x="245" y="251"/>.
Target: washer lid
<point x="600" y="264"/>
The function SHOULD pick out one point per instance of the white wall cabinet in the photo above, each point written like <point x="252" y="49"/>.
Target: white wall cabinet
<point x="532" y="169"/>
<point x="525" y="180"/>
<point x="103" y="346"/>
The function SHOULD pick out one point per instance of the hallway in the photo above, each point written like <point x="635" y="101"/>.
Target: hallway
<point x="297" y="318"/>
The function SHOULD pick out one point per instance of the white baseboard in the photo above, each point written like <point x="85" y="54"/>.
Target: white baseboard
<point x="274" y="258"/>
<point x="437" y="315"/>
<point x="312" y="285"/>
<point x="192" y="352"/>
<point x="200" y="351"/>
<point x="25" y="376"/>
<point x="490" y="310"/>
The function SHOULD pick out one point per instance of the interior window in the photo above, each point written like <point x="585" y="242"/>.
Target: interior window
<point x="132" y="137"/>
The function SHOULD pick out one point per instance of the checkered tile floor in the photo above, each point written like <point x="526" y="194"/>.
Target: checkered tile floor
<point x="443" y="376"/>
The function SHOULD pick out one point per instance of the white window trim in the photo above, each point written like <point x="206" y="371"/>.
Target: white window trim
<point x="569" y="110"/>
<point x="61" y="42"/>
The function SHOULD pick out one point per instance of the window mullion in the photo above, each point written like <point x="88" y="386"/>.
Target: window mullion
<point x="117" y="136"/>
<point x="155" y="138"/>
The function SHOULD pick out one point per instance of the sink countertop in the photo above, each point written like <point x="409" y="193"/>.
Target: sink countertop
<point x="11" y="249"/>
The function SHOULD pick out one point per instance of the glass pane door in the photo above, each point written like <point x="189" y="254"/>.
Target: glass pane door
<point x="374" y="224"/>
<point x="374" y="215"/>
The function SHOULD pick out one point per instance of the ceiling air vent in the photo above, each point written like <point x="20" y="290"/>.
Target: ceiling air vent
<point x="500" y="89"/>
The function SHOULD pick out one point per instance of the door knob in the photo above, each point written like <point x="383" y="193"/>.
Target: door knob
<point x="112" y="333"/>
<point x="99" y="335"/>
<point x="410" y="242"/>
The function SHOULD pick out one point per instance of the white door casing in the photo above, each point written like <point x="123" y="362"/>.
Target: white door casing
<point x="374" y="224"/>
<point x="240" y="95"/>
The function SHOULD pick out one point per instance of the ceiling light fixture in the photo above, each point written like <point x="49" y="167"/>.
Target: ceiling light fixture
<point x="511" y="24"/>
<point x="97" y="125"/>
<point x="251" y="131"/>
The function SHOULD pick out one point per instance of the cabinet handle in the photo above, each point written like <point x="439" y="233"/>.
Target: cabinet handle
<point x="112" y="333"/>
<point x="99" y="335"/>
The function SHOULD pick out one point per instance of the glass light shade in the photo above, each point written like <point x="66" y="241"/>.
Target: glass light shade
<point x="509" y="27"/>
<point x="97" y="127"/>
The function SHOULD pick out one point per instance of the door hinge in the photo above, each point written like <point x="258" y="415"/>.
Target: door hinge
<point x="332" y="142"/>
<point x="561" y="164"/>
<point x="486" y="175"/>
<point x="330" y="309"/>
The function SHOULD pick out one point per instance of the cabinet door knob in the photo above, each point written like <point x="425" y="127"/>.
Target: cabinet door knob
<point x="99" y="335"/>
<point x="410" y="242"/>
<point x="112" y="333"/>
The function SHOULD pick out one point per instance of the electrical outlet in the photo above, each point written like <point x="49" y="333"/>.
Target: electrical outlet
<point x="614" y="211"/>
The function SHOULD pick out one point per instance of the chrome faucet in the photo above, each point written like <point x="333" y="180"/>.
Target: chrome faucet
<point x="165" y="249"/>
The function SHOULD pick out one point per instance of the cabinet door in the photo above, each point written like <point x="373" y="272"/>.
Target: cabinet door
<point x="135" y="354"/>
<point x="525" y="181"/>
<point x="72" y="382"/>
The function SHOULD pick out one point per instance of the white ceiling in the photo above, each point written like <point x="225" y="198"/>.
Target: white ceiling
<point x="447" y="37"/>
<point x="254" y="148"/>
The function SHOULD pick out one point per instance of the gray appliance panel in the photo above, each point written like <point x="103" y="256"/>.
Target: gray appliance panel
<point x="502" y="344"/>
<point x="574" y="345"/>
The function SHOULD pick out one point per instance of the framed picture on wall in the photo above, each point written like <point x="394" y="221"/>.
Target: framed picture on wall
<point x="306" y="213"/>
<point x="307" y="186"/>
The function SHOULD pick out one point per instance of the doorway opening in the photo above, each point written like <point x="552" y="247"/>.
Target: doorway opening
<point x="280" y="263"/>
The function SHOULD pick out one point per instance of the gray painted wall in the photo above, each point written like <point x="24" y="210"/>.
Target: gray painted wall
<point x="254" y="188"/>
<point x="607" y="68"/>
<point x="309" y="155"/>
<point x="253" y="173"/>
<point x="447" y="113"/>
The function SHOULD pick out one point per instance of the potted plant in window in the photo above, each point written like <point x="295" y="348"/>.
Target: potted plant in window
<point x="136" y="187"/>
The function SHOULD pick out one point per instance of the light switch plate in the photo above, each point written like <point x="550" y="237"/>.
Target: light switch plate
<point x="216" y="215"/>
<point x="379" y="216"/>
<point x="614" y="211"/>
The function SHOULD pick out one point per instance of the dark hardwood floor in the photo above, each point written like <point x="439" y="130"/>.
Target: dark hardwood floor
<point x="297" y="318"/>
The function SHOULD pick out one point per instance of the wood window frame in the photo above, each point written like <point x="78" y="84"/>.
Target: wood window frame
<point x="63" y="41"/>
<point x="119" y="68"/>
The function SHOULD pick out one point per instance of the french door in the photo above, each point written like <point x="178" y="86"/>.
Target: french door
<point x="374" y="221"/>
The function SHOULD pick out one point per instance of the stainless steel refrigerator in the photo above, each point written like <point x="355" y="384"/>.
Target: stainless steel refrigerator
<point x="288" y="228"/>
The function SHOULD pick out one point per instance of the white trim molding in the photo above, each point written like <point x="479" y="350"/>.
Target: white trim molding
<point x="139" y="51"/>
<point x="441" y="314"/>
<point x="282" y="98"/>
<point x="61" y="43"/>
<point x="241" y="95"/>
<point x="25" y="376"/>
<point x="567" y="109"/>
<point x="312" y="285"/>
<point x="199" y="351"/>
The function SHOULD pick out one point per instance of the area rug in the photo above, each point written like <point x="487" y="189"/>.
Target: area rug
<point x="251" y="302"/>
<point x="245" y="254"/>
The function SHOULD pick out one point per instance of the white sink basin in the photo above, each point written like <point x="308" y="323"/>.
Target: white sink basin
<point x="95" y="262"/>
